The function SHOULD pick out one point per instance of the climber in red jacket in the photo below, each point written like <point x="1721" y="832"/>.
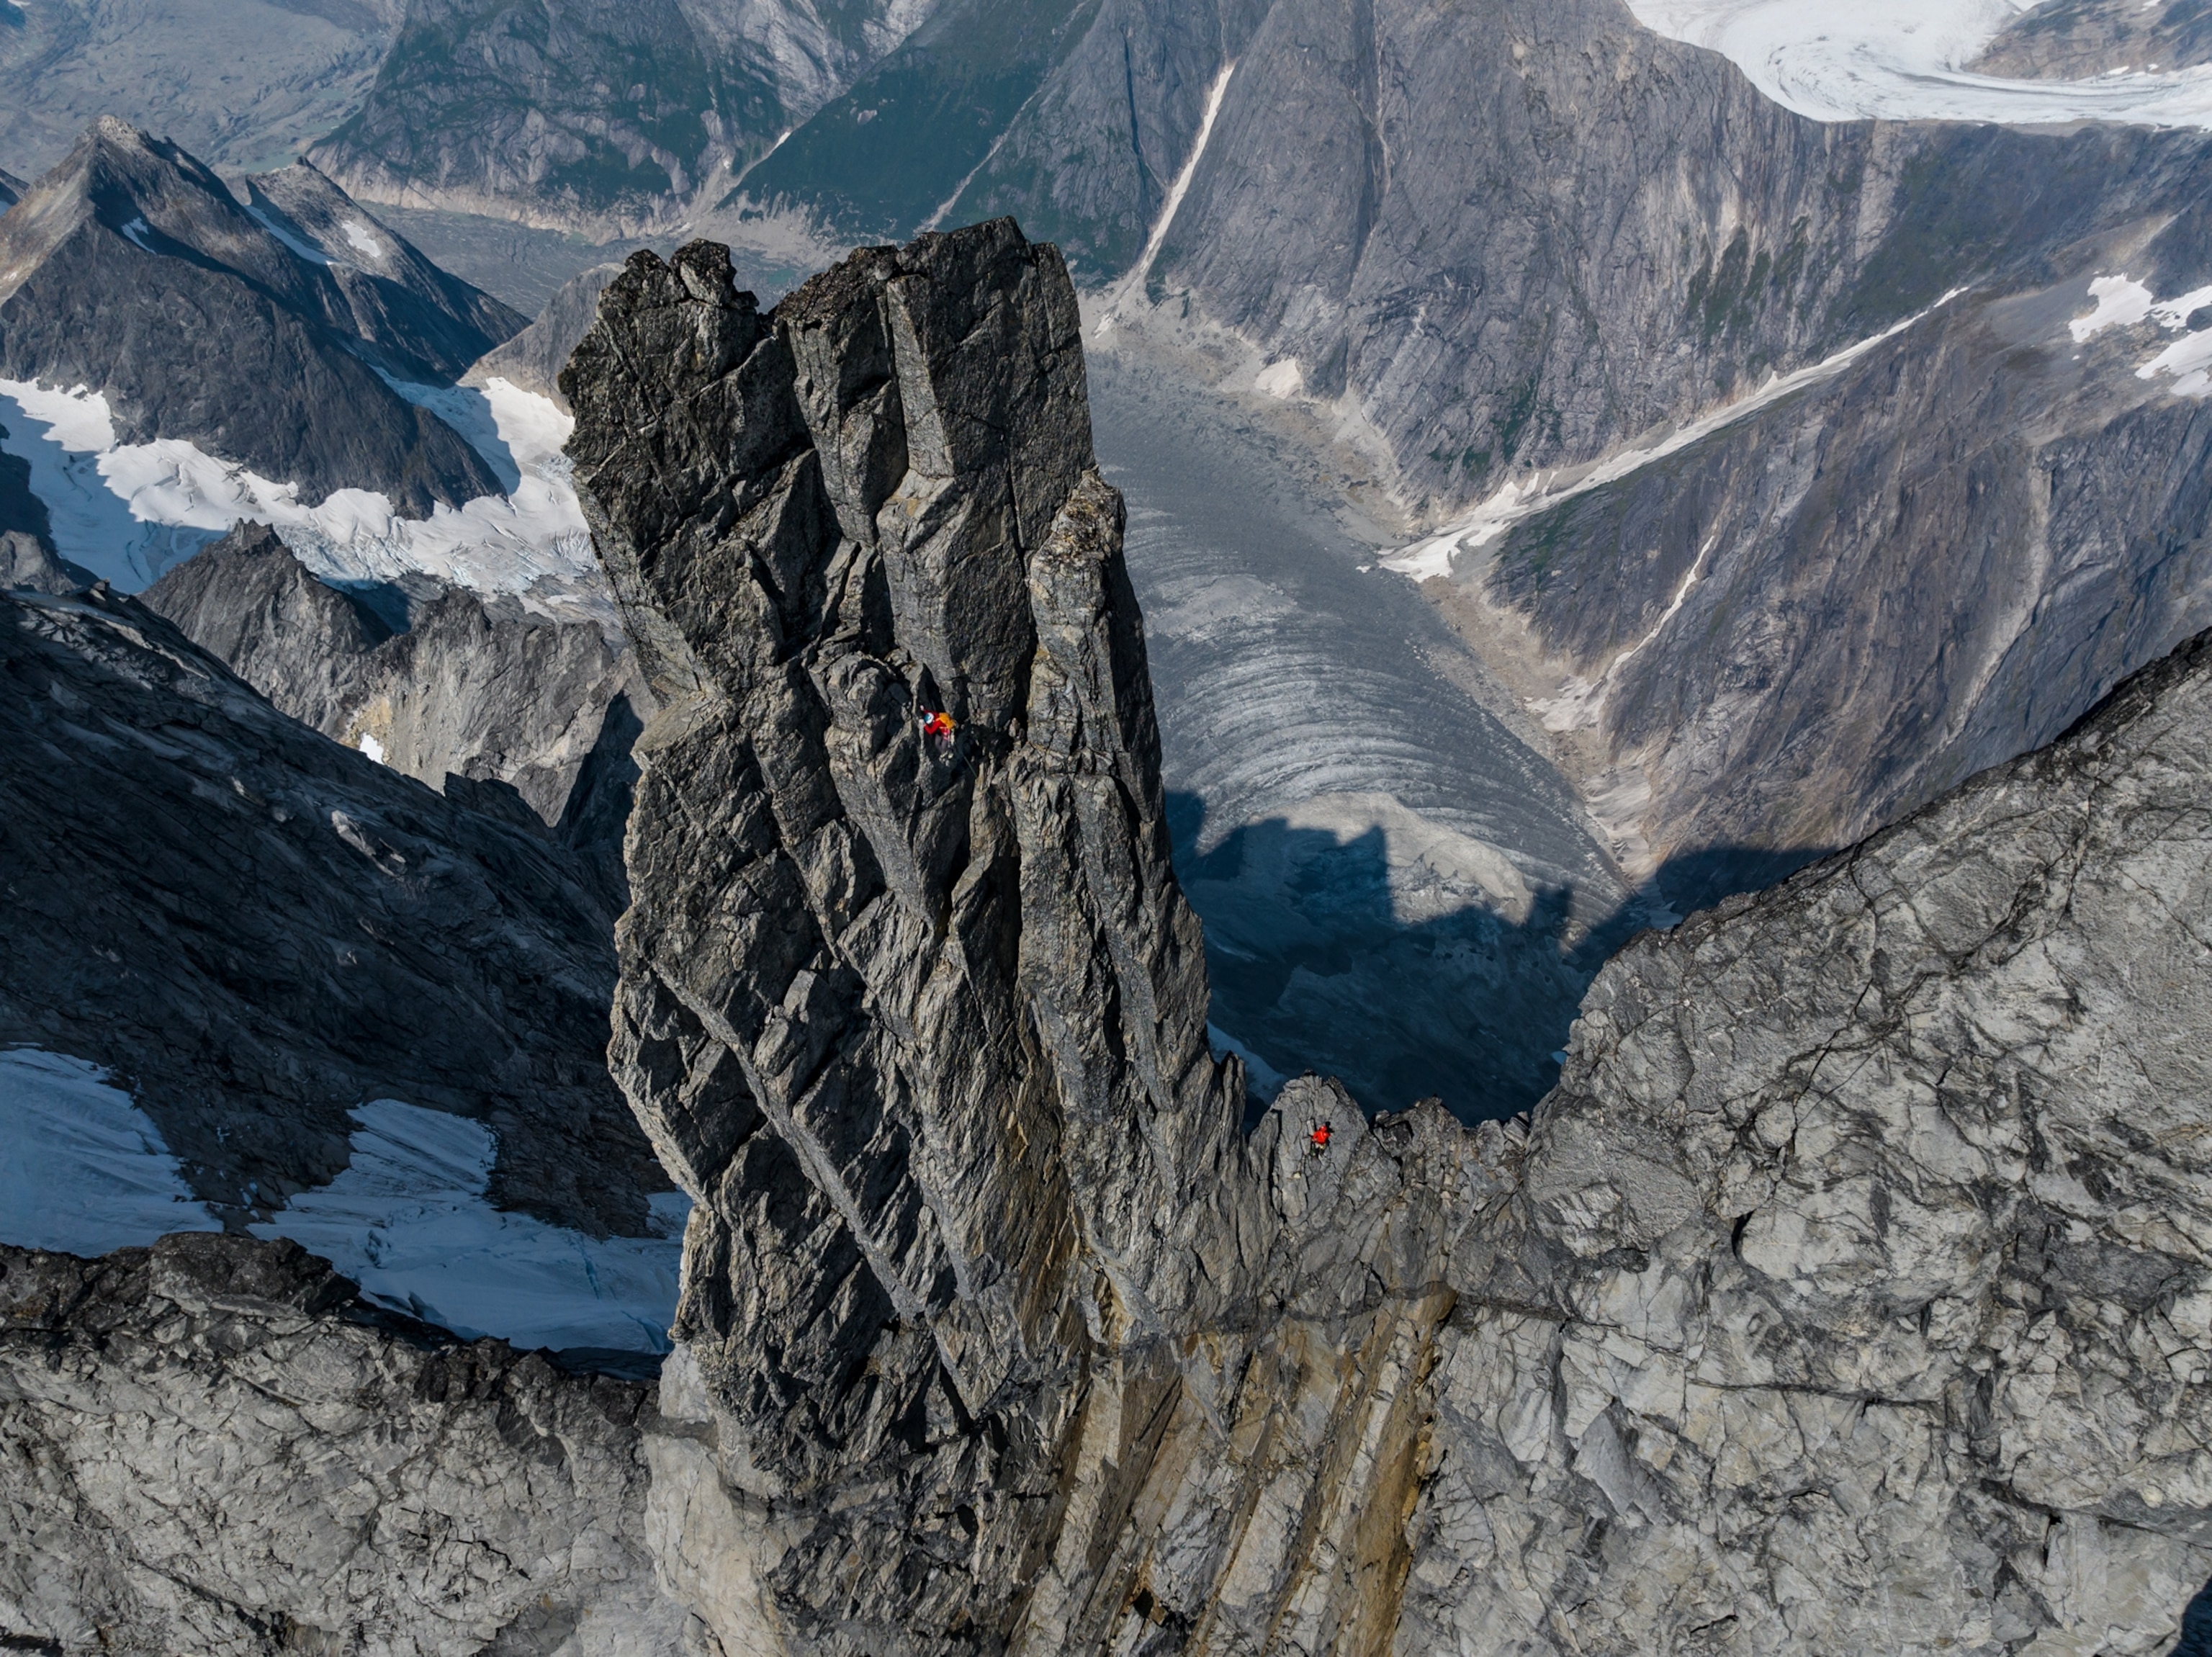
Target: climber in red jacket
<point x="1317" y="1141"/>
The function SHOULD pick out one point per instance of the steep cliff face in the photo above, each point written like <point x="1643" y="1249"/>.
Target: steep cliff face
<point x="259" y="929"/>
<point x="929" y="1045"/>
<point x="1791" y="631"/>
<point x="1841" y="1294"/>
<point x="542" y="711"/>
<point x="214" y="1446"/>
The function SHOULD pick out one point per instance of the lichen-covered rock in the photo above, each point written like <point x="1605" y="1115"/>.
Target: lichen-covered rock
<point x="213" y="1446"/>
<point x="1848" y="1294"/>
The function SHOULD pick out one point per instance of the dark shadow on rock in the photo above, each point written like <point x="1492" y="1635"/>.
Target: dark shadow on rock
<point x="1692" y="880"/>
<point x="2195" y="1639"/>
<point x="1316" y="966"/>
<point x="392" y="606"/>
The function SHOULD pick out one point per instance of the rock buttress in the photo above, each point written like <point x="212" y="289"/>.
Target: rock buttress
<point x="920" y="1023"/>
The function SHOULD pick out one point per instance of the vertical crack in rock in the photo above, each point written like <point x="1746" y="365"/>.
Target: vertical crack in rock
<point x="920" y="1023"/>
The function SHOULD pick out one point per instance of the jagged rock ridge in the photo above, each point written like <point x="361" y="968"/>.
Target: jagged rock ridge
<point x="1840" y="1297"/>
<point x="527" y="717"/>
<point x="257" y="929"/>
<point x="288" y="319"/>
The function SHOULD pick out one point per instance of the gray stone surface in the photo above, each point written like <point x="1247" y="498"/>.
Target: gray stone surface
<point x="619" y="118"/>
<point x="259" y="928"/>
<point x="246" y="83"/>
<point x="26" y="561"/>
<point x="519" y="714"/>
<point x="132" y="270"/>
<point x="1843" y="1294"/>
<point x="213" y="1446"/>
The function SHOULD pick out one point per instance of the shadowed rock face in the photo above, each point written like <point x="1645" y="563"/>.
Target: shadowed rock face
<point x="1840" y="1297"/>
<point x="259" y="929"/>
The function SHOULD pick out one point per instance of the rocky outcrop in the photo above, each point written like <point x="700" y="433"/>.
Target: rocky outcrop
<point x="213" y="1445"/>
<point x="130" y="270"/>
<point x="26" y="561"/>
<point x="525" y="716"/>
<point x="1841" y="1296"/>
<point x="929" y="1045"/>
<point x="2081" y="39"/>
<point x="259" y="928"/>
<point x="11" y="190"/>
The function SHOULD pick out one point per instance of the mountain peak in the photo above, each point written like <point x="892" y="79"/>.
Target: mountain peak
<point x="287" y="369"/>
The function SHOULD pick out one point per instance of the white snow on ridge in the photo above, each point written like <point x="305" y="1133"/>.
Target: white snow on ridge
<point x="1840" y="60"/>
<point x="129" y="511"/>
<point x="409" y="1222"/>
<point x="85" y="1171"/>
<point x="357" y="234"/>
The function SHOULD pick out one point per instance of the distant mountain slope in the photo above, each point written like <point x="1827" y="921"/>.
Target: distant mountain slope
<point x="258" y="929"/>
<point x="131" y="270"/>
<point x="524" y="717"/>
<point x="244" y="83"/>
<point x="533" y="359"/>
<point x="617" y="114"/>
<point x="2078" y="39"/>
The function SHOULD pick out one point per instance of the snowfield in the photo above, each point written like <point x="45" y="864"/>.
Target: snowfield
<point x="408" y="1220"/>
<point x="85" y="1171"/>
<point x="129" y="511"/>
<point x="1841" y="60"/>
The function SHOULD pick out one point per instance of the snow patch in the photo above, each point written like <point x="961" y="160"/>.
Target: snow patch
<point x="137" y="230"/>
<point x="2189" y="359"/>
<point x="2120" y="304"/>
<point x="358" y="235"/>
<point x="371" y="747"/>
<point x="86" y="1170"/>
<point x="1133" y="283"/>
<point x="127" y="512"/>
<point x="1842" y="60"/>
<point x="314" y="255"/>
<point x="408" y="1220"/>
<point x="1283" y="380"/>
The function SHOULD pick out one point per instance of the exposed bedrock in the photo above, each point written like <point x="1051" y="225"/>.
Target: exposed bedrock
<point x="1843" y="1295"/>
<point x="214" y="1446"/>
<point x="514" y="714"/>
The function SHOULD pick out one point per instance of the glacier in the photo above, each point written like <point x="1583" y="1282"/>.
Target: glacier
<point x="129" y="511"/>
<point x="1843" y="60"/>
